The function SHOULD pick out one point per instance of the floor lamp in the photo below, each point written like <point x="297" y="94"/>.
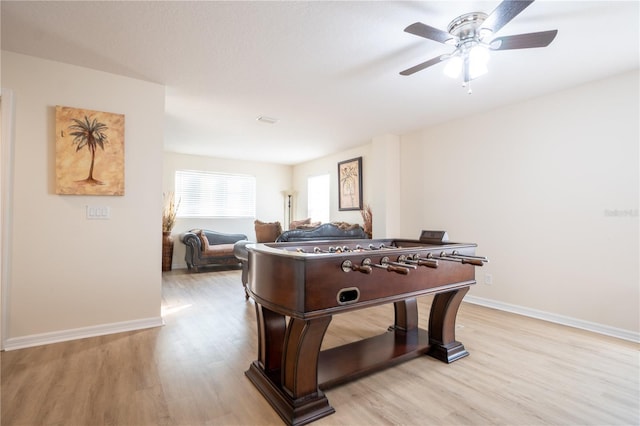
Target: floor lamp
<point x="289" y="206"/>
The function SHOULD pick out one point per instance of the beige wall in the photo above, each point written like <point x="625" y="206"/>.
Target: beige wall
<point x="385" y="184"/>
<point x="68" y="274"/>
<point x="271" y="180"/>
<point x="534" y="184"/>
<point x="329" y="164"/>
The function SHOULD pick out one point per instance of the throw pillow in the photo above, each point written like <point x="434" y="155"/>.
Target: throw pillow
<point x="204" y="240"/>
<point x="267" y="232"/>
<point x="299" y="223"/>
<point x="345" y="226"/>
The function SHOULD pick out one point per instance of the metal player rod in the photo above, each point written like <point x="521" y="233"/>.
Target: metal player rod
<point x="417" y="260"/>
<point x="468" y="256"/>
<point x="380" y="247"/>
<point x="385" y="261"/>
<point x="404" y="265"/>
<point x="331" y="249"/>
<point x="463" y="260"/>
<point x="348" y="265"/>
<point x="338" y="249"/>
<point x="390" y="268"/>
<point x="430" y="263"/>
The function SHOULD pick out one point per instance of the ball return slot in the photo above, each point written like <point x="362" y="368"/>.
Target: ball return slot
<point x="348" y="295"/>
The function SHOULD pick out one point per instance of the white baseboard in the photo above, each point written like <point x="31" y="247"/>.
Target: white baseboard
<point x="80" y="333"/>
<point x="120" y="327"/>
<point x="558" y="319"/>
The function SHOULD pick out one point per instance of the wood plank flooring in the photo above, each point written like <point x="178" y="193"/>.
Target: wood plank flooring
<point x="521" y="371"/>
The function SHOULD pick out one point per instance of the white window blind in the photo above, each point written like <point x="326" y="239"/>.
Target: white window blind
<point x="318" y="198"/>
<point x="206" y="194"/>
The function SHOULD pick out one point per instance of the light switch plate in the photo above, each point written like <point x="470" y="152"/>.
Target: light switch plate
<point x="98" y="212"/>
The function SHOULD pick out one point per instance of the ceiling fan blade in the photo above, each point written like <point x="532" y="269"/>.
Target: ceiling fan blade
<point x="523" y="41"/>
<point x="423" y="30"/>
<point x="505" y="12"/>
<point x="422" y="66"/>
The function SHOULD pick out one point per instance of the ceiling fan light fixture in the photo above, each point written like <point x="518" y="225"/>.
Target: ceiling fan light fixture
<point x="478" y="60"/>
<point x="476" y="70"/>
<point x="479" y="54"/>
<point x="453" y="68"/>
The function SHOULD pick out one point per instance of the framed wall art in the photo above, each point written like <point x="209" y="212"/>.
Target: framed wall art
<point x="89" y="152"/>
<point x="350" y="184"/>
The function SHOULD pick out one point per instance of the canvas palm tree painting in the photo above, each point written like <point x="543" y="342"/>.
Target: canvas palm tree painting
<point x="89" y="152"/>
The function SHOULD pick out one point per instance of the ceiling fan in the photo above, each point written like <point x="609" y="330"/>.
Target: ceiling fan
<point x="472" y="34"/>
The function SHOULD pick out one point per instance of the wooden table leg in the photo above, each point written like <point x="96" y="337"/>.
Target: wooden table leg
<point x="442" y="326"/>
<point x="406" y="315"/>
<point x="271" y="330"/>
<point x="300" y="359"/>
<point x="286" y="372"/>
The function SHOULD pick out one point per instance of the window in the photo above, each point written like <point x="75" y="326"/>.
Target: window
<point x="206" y="194"/>
<point x="318" y="198"/>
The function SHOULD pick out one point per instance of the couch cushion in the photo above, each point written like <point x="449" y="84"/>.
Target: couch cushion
<point x="346" y="226"/>
<point x="299" y="223"/>
<point x="219" y="250"/>
<point x="304" y="224"/>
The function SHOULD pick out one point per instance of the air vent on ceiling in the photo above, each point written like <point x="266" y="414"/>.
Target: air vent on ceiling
<point x="268" y="120"/>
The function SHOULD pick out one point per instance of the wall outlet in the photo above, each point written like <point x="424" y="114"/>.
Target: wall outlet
<point x="488" y="279"/>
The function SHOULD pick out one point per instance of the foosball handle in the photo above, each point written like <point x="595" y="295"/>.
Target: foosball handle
<point x="474" y="262"/>
<point x="365" y="269"/>
<point x="348" y="265"/>
<point x="397" y="269"/>
<point x="430" y="263"/>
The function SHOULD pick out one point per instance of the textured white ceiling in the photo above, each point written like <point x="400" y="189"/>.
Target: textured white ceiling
<point x="327" y="70"/>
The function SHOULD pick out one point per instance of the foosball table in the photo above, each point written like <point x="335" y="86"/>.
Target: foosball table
<point x="298" y="287"/>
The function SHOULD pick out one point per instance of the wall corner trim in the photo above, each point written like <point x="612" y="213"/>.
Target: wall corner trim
<point x="80" y="333"/>
<point x="619" y="333"/>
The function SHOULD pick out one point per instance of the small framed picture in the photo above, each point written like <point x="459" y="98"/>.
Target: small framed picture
<point x="350" y="184"/>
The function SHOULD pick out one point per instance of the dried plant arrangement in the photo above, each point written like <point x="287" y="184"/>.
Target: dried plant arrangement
<point x="367" y="217"/>
<point x="169" y="212"/>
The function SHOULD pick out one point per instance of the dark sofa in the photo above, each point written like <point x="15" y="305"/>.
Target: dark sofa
<point x="204" y="248"/>
<point x="324" y="232"/>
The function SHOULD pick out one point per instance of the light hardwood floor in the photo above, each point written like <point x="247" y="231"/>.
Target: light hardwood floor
<point x="521" y="371"/>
